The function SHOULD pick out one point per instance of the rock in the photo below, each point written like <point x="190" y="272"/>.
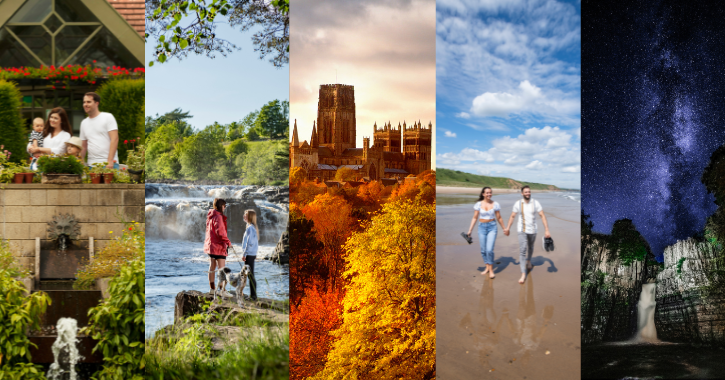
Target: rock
<point x="189" y="302"/>
<point x="281" y="251"/>
<point x="691" y="302"/>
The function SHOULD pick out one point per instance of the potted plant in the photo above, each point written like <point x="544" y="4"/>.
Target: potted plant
<point x="60" y="169"/>
<point x="29" y="174"/>
<point x="97" y="171"/>
<point x="136" y="161"/>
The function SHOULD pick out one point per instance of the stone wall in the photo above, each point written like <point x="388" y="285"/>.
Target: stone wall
<point x="691" y="304"/>
<point x="26" y="209"/>
<point x="610" y="291"/>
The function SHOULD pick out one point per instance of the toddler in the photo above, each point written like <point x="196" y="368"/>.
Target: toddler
<point x="36" y="136"/>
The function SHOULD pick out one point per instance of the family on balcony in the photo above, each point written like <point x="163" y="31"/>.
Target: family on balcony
<point x="98" y="138"/>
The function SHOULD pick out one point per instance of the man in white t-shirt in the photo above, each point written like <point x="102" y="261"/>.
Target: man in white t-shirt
<point x="527" y="208"/>
<point x="99" y="134"/>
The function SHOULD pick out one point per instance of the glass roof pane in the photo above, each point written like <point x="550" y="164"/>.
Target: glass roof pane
<point x="69" y="39"/>
<point x="53" y="23"/>
<point x="32" y="11"/>
<point x="12" y="54"/>
<point x="37" y="39"/>
<point x="74" y="11"/>
<point x="107" y="51"/>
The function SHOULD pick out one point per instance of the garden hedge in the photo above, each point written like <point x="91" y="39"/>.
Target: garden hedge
<point x="12" y="134"/>
<point x="125" y="99"/>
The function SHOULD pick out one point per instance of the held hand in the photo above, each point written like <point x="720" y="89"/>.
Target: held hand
<point x="244" y="258"/>
<point x="547" y="234"/>
<point x="109" y="166"/>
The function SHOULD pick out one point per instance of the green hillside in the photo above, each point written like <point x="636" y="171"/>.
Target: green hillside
<point x="447" y="177"/>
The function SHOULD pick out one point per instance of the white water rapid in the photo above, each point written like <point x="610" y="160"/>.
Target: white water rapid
<point x="65" y="351"/>
<point x="646" y="331"/>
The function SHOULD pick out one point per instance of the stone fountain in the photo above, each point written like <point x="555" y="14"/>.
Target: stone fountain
<point x="57" y="260"/>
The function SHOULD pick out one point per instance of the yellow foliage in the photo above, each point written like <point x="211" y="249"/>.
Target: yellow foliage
<point x="119" y="251"/>
<point x="345" y="174"/>
<point x="297" y="175"/>
<point x="388" y="329"/>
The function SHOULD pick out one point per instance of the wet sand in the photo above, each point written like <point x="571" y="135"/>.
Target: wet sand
<point x="497" y="328"/>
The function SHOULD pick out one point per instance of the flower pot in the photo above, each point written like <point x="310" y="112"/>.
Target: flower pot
<point x="107" y="177"/>
<point x="96" y="178"/>
<point x="29" y="177"/>
<point x="135" y="175"/>
<point x="19" y="177"/>
<point x="60" y="179"/>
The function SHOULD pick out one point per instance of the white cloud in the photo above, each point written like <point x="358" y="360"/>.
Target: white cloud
<point x="450" y="134"/>
<point x="463" y="115"/>
<point x="535" y="165"/>
<point x="530" y="152"/>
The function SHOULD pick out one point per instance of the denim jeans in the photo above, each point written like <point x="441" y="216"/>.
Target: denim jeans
<point x="487" y="237"/>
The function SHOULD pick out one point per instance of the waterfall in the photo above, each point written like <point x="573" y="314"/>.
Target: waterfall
<point x="646" y="330"/>
<point x="178" y="212"/>
<point x="65" y="350"/>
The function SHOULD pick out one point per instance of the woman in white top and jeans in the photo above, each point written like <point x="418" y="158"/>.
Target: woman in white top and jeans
<point x="55" y="134"/>
<point x="487" y="212"/>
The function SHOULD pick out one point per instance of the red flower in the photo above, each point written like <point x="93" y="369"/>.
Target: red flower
<point x="125" y="141"/>
<point x="94" y="61"/>
<point x="130" y="228"/>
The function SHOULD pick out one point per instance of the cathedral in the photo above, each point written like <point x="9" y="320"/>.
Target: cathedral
<point x="396" y="152"/>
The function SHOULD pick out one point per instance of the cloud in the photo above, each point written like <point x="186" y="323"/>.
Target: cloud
<point x="463" y="115"/>
<point x="510" y="59"/>
<point x="549" y="150"/>
<point x="450" y="134"/>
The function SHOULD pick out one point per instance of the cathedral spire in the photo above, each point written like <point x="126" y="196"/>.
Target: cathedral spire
<point x="313" y="139"/>
<point x="295" y="139"/>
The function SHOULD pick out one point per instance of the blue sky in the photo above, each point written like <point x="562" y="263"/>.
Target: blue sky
<point x="223" y="89"/>
<point x="508" y="97"/>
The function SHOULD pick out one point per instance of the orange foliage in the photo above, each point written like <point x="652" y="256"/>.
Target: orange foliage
<point x="333" y="225"/>
<point x="371" y="194"/>
<point x="310" y="325"/>
<point x="423" y="186"/>
<point x="305" y="192"/>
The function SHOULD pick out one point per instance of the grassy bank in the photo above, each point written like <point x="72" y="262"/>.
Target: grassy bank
<point x="241" y="346"/>
<point x="447" y="177"/>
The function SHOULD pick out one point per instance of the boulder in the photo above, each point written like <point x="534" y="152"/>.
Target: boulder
<point x="281" y="251"/>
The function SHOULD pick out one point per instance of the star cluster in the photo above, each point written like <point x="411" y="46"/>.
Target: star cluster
<point x="653" y="111"/>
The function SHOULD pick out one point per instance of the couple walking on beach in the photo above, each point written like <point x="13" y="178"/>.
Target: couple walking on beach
<point x="486" y="211"/>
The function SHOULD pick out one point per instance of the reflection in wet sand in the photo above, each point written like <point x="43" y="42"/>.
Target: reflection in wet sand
<point x="498" y="328"/>
<point x="525" y="330"/>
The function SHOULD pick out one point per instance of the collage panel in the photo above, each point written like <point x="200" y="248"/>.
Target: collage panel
<point x="508" y="190"/>
<point x="217" y="196"/>
<point x="72" y="276"/>
<point x="362" y="190"/>
<point x="653" y="164"/>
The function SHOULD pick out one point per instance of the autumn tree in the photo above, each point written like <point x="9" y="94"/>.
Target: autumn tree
<point x="371" y="194"/>
<point x="333" y="225"/>
<point x="345" y="174"/>
<point x="388" y="328"/>
<point x="413" y="188"/>
<point x="310" y="326"/>
<point x="297" y="175"/>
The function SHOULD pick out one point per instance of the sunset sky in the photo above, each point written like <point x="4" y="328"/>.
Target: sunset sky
<point x="385" y="49"/>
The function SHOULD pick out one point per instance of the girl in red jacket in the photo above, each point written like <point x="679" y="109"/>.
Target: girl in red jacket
<point x="216" y="241"/>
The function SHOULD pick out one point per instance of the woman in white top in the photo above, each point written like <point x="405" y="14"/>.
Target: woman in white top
<point x="487" y="212"/>
<point x="55" y="134"/>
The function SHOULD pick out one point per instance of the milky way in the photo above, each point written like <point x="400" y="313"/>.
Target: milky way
<point x="653" y="111"/>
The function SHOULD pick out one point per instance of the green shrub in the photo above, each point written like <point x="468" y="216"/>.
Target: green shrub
<point x="60" y="165"/>
<point x="19" y="311"/>
<point x="118" y="325"/>
<point x="12" y="135"/>
<point x="125" y="99"/>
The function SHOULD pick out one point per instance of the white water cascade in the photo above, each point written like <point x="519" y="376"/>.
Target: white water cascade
<point x="646" y="331"/>
<point x="65" y="352"/>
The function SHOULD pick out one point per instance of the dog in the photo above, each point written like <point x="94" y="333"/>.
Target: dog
<point x="237" y="280"/>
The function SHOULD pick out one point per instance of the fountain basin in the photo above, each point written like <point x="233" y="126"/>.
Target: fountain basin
<point x="57" y="264"/>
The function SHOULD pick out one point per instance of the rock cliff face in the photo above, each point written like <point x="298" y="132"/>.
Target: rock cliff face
<point x="610" y="291"/>
<point x="691" y="303"/>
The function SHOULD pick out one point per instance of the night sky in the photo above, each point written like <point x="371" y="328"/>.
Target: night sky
<point x="653" y="111"/>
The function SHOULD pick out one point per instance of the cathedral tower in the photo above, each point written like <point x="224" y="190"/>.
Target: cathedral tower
<point x="417" y="142"/>
<point x="388" y="137"/>
<point x="336" y="117"/>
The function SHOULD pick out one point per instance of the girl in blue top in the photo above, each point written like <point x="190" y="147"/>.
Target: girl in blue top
<point x="487" y="212"/>
<point x="250" y="245"/>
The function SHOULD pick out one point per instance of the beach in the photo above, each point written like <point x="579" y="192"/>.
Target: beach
<point x="497" y="328"/>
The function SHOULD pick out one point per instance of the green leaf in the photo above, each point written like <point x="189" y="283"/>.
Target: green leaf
<point x="162" y="58"/>
<point x="184" y="43"/>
